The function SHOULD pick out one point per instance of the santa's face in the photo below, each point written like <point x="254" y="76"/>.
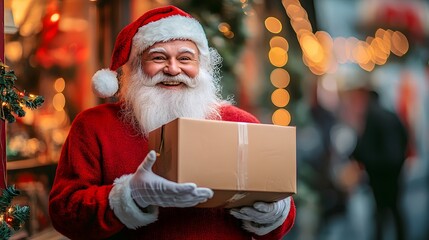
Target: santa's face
<point x="165" y="83"/>
<point x="171" y="58"/>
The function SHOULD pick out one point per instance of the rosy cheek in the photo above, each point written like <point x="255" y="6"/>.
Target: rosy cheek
<point x="151" y="69"/>
<point x="191" y="71"/>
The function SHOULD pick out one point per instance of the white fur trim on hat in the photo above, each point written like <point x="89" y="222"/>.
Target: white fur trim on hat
<point x="105" y="83"/>
<point x="126" y="209"/>
<point x="171" y="28"/>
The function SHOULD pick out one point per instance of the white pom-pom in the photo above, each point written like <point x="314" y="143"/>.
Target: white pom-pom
<point x="105" y="83"/>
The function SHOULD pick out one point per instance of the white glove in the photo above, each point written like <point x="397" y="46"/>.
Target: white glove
<point x="147" y="188"/>
<point x="263" y="217"/>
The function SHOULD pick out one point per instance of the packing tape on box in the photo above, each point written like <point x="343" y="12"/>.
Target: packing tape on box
<point x="243" y="143"/>
<point x="236" y="197"/>
<point x="242" y="157"/>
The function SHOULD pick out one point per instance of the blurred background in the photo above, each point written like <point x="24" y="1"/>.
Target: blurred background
<point x="321" y="66"/>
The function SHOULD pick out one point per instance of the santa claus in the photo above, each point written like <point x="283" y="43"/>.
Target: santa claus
<point x="161" y="69"/>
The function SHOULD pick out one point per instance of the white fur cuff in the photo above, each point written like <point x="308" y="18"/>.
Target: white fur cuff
<point x="265" y="229"/>
<point x="126" y="209"/>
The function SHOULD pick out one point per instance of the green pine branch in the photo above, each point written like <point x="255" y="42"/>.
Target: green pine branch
<point x="12" y="218"/>
<point x="5" y="232"/>
<point x="11" y="99"/>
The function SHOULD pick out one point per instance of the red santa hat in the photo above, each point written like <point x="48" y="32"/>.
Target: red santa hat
<point x="158" y="25"/>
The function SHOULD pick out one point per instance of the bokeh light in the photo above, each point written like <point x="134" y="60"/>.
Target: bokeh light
<point x="280" y="78"/>
<point x="273" y="25"/>
<point x="281" y="117"/>
<point x="280" y="97"/>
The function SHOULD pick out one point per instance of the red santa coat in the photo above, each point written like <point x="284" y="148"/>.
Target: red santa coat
<point x="101" y="148"/>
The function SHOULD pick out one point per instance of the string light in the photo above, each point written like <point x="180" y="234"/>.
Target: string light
<point x="12" y="218"/>
<point x="278" y="57"/>
<point x="322" y="53"/>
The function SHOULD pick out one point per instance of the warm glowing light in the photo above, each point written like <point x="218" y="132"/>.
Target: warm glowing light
<point x="280" y="42"/>
<point x="379" y="33"/>
<point x="317" y="70"/>
<point x="311" y="48"/>
<point x="224" y="27"/>
<point x="280" y="97"/>
<point x="295" y="10"/>
<point x="13" y="51"/>
<point x="59" y="101"/>
<point x="299" y="24"/>
<point x="59" y="85"/>
<point x="229" y="34"/>
<point x="278" y="56"/>
<point x="321" y="53"/>
<point x="281" y="117"/>
<point x="71" y="24"/>
<point x="369" y="66"/>
<point x="324" y="39"/>
<point x="361" y="54"/>
<point x="387" y="38"/>
<point x="380" y="51"/>
<point x="20" y="10"/>
<point x="280" y="78"/>
<point x="55" y="17"/>
<point x="273" y="25"/>
<point x="29" y="116"/>
<point x="399" y="43"/>
<point x="382" y="45"/>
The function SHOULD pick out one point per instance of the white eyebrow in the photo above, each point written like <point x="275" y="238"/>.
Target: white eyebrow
<point x="157" y="49"/>
<point x="186" y="49"/>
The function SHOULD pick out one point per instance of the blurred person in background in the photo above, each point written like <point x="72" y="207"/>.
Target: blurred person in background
<point x="322" y="200"/>
<point x="381" y="146"/>
<point x="104" y="186"/>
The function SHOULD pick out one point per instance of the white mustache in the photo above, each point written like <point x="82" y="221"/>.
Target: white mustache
<point x="161" y="77"/>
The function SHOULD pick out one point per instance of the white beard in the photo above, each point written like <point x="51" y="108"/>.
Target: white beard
<point x="147" y="106"/>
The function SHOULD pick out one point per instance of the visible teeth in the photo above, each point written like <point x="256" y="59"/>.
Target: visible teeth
<point x="171" y="83"/>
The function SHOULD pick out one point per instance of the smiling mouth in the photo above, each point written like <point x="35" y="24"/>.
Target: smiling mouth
<point x="172" y="83"/>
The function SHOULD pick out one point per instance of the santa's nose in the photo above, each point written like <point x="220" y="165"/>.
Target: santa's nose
<point x="172" y="68"/>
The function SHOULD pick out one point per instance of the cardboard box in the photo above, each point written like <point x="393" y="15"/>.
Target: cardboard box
<point x="241" y="162"/>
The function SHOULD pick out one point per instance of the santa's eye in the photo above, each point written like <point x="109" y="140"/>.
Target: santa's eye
<point x="158" y="58"/>
<point x="185" y="59"/>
